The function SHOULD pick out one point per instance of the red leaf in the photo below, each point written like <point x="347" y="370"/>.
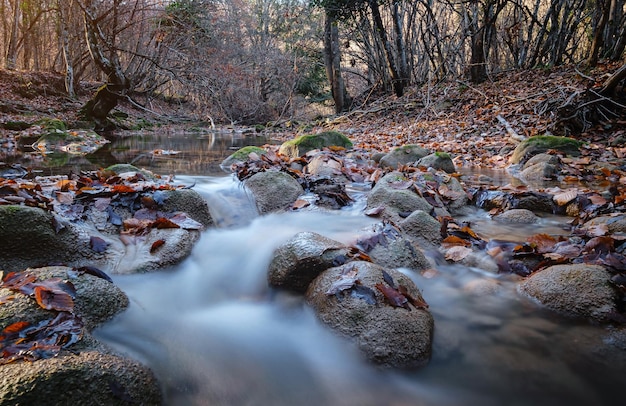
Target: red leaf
<point x="156" y="245"/>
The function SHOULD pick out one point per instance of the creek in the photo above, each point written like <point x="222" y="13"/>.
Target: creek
<point x="214" y="333"/>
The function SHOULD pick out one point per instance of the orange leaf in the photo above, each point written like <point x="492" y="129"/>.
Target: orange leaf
<point x="123" y="189"/>
<point x="156" y="245"/>
<point x="53" y="299"/>
<point x="453" y="240"/>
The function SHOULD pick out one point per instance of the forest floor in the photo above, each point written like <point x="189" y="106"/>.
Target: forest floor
<point x="479" y="125"/>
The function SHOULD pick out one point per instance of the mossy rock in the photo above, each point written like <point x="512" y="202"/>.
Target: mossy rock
<point x="300" y="146"/>
<point x="241" y="155"/>
<point x="52" y="124"/>
<point x="125" y="168"/>
<point x="542" y="143"/>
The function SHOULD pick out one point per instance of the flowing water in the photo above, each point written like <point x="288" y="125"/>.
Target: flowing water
<point x="214" y="333"/>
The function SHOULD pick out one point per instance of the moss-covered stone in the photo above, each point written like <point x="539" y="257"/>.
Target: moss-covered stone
<point x="16" y="125"/>
<point x="542" y="143"/>
<point x="241" y="155"/>
<point x="51" y="124"/>
<point x="303" y="144"/>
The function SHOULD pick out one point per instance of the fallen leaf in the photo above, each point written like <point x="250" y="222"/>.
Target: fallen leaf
<point x="563" y="198"/>
<point x="457" y="253"/>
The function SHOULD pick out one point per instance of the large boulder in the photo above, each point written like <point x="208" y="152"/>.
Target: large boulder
<point x="29" y="238"/>
<point x="396" y="200"/>
<point x="541" y="144"/>
<point x="302" y="258"/>
<point x="69" y="365"/>
<point x="349" y="300"/>
<point x="301" y="145"/>
<point x="273" y="191"/>
<point x="581" y="290"/>
<point x="404" y="155"/>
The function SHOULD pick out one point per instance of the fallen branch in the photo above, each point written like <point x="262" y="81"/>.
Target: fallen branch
<point x="510" y="130"/>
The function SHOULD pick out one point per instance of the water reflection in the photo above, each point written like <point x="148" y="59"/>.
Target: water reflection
<point x="162" y="151"/>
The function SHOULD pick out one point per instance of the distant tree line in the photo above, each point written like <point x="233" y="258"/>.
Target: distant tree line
<point x="251" y="61"/>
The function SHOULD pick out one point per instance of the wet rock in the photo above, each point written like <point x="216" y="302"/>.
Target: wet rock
<point x="403" y="155"/>
<point x="130" y="170"/>
<point x="300" y="146"/>
<point x="86" y="378"/>
<point x="36" y="237"/>
<point x="273" y="191"/>
<point x="301" y="259"/>
<point x="387" y="335"/>
<point x="454" y="195"/>
<point x="615" y="224"/>
<point x="326" y="165"/>
<point x="29" y="239"/>
<point x="540" y="144"/>
<point x="579" y="290"/>
<point x="540" y="167"/>
<point x="399" y="253"/>
<point x="482" y="287"/>
<point x="516" y="216"/>
<point x="189" y="202"/>
<point x="438" y="160"/>
<point x="395" y="199"/>
<point x="422" y="227"/>
<point x="241" y="155"/>
<point x="86" y="372"/>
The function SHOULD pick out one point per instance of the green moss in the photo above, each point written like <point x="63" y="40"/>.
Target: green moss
<point x="52" y="124"/>
<point x="301" y="145"/>
<point x="242" y="154"/>
<point x="542" y="143"/>
<point x="442" y="154"/>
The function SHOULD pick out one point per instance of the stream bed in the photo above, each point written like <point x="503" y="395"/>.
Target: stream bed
<point x="214" y="333"/>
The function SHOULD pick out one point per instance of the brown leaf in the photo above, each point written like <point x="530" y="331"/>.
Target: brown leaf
<point x="50" y="299"/>
<point x="392" y="296"/>
<point x="457" y="253"/>
<point x="162" y="222"/>
<point x="563" y="198"/>
<point x="299" y="204"/>
<point x="543" y="243"/>
<point x="600" y="245"/>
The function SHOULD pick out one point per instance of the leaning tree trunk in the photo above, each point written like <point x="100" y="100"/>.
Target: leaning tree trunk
<point x="107" y="96"/>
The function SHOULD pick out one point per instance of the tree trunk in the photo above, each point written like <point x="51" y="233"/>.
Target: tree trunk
<point x="397" y="81"/>
<point x="603" y="7"/>
<point x="402" y="57"/>
<point x="65" y="47"/>
<point x="13" y="49"/>
<point x="332" y="61"/>
<point x="478" y="62"/>
<point x="106" y="98"/>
